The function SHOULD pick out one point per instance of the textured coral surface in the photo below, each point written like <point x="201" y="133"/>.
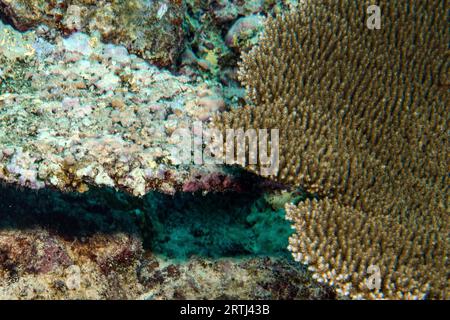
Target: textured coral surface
<point x="79" y="112"/>
<point x="363" y="122"/>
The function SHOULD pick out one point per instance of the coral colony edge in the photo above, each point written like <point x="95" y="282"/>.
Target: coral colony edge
<point x="219" y="149"/>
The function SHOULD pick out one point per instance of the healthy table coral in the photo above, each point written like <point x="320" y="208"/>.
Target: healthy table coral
<point x="363" y="120"/>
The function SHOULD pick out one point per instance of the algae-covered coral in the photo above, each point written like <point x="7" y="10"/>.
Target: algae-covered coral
<point x="363" y="120"/>
<point x="109" y="245"/>
<point x="151" y="29"/>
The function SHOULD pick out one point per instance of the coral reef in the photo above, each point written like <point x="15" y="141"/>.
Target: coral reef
<point x="217" y="32"/>
<point x="201" y="39"/>
<point x="92" y="92"/>
<point x="78" y="112"/>
<point x="248" y="278"/>
<point x="363" y="120"/>
<point x="39" y="265"/>
<point x="109" y="245"/>
<point x="151" y="29"/>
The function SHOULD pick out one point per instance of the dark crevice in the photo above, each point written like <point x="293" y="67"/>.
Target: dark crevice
<point x="179" y="226"/>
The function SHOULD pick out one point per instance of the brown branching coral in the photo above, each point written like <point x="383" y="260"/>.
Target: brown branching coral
<point x="363" y="120"/>
<point x="349" y="248"/>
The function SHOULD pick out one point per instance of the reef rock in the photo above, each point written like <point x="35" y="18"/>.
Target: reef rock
<point x="150" y="29"/>
<point x="109" y="245"/>
<point x="78" y="112"/>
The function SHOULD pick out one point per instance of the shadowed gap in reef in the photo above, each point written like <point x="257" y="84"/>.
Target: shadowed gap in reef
<point x="178" y="227"/>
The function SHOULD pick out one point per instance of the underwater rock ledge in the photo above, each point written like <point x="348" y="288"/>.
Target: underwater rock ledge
<point x="79" y="113"/>
<point x="110" y="245"/>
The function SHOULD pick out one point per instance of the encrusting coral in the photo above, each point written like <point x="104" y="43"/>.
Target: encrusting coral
<point x="363" y="120"/>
